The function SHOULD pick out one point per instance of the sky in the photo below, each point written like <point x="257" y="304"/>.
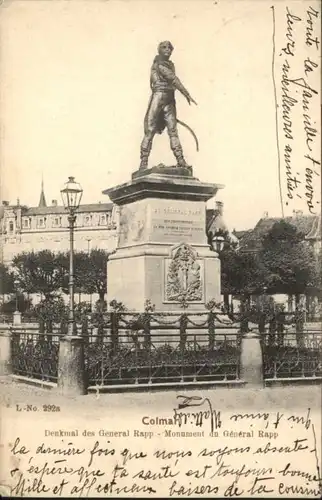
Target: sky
<point x="75" y="88"/>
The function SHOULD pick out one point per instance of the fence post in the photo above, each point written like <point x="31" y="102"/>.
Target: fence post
<point x="71" y="366"/>
<point x="114" y="331"/>
<point x="251" y="360"/>
<point x="211" y="330"/>
<point x="147" y="330"/>
<point x="262" y="322"/>
<point x="244" y="309"/>
<point x="272" y="327"/>
<point x="5" y="352"/>
<point x="84" y="330"/>
<point x="183" y="331"/>
<point x="42" y="325"/>
<point x="63" y="327"/>
<point x="299" y="328"/>
<point x="280" y="329"/>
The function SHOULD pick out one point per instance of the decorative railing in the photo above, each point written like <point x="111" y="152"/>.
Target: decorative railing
<point x="35" y="355"/>
<point x="292" y="355"/>
<point x="170" y="348"/>
<point x="151" y="348"/>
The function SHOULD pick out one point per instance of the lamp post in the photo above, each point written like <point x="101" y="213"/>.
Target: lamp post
<point x="88" y="253"/>
<point x="217" y="242"/>
<point x="71" y="368"/>
<point x="71" y="195"/>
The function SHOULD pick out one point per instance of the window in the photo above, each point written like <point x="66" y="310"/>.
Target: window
<point x="57" y="221"/>
<point x="26" y="223"/>
<point x="88" y="220"/>
<point x="41" y="222"/>
<point x="11" y="227"/>
<point x="103" y="220"/>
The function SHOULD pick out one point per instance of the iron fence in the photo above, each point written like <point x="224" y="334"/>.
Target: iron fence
<point x="292" y="355"/>
<point x="133" y="361"/>
<point x="35" y="355"/>
<point x="152" y="348"/>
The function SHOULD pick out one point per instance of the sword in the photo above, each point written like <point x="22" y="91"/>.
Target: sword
<point x="191" y="132"/>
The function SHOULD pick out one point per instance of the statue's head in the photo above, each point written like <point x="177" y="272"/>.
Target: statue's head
<point x="165" y="49"/>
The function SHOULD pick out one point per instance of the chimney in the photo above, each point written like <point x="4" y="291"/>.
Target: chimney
<point x="297" y="213"/>
<point x="220" y="207"/>
<point x="265" y="215"/>
<point x="54" y="203"/>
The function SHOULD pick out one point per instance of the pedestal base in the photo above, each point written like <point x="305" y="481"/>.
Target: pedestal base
<point x="71" y="370"/>
<point x="17" y="318"/>
<point x="5" y="353"/>
<point x="251" y="360"/>
<point x="165" y="170"/>
<point x="162" y="253"/>
<point x="142" y="273"/>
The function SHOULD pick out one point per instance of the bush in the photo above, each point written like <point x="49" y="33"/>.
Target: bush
<point x="10" y="306"/>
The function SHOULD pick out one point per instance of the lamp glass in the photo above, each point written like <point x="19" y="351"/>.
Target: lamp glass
<point x="218" y="242"/>
<point x="71" y="194"/>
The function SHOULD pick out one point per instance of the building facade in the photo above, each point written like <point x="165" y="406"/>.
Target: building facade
<point x="26" y="229"/>
<point x="45" y="227"/>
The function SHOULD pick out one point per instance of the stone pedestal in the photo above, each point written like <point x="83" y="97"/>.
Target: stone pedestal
<point x="251" y="360"/>
<point x="162" y="253"/>
<point x="17" y="318"/>
<point x="71" y="370"/>
<point x="5" y="353"/>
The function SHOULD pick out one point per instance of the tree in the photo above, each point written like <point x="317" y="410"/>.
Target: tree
<point x="39" y="272"/>
<point x="6" y="280"/>
<point x="290" y="262"/>
<point x="49" y="311"/>
<point x="241" y="273"/>
<point x="90" y="272"/>
<point x="96" y="276"/>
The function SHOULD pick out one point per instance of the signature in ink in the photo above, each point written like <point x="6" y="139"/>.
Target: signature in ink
<point x="198" y="418"/>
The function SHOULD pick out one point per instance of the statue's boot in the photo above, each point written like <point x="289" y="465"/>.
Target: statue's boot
<point x="181" y="162"/>
<point x="143" y="163"/>
<point x="145" y="152"/>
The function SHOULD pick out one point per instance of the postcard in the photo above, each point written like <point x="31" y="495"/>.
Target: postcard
<point x="160" y="257"/>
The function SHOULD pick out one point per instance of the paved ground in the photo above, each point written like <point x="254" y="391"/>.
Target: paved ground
<point x="281" y="398"/>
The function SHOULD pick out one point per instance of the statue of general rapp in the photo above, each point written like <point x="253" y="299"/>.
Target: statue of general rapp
<point x="161" y="112"/>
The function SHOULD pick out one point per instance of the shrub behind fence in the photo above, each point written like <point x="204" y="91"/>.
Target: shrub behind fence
<point x="136" y="348"/>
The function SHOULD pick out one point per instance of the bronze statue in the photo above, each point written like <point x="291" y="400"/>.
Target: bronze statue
<point x="161" y="111"/>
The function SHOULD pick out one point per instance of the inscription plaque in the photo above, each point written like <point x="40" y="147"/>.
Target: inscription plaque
<point x="173" y="222"/>
<point x="162" y="221"/>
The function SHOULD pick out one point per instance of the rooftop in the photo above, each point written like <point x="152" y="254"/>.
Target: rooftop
<point x="308" y="225"/>
<point x="55" y="209"/>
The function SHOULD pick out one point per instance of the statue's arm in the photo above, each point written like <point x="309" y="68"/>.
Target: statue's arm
<point x="174" y="80"/>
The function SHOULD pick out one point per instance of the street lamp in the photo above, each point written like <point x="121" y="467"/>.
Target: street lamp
<point x="88" y="253"/>
<point x="71" y="195"/>
<point x="217" y="243"/>
<point x="16" y="284"/>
